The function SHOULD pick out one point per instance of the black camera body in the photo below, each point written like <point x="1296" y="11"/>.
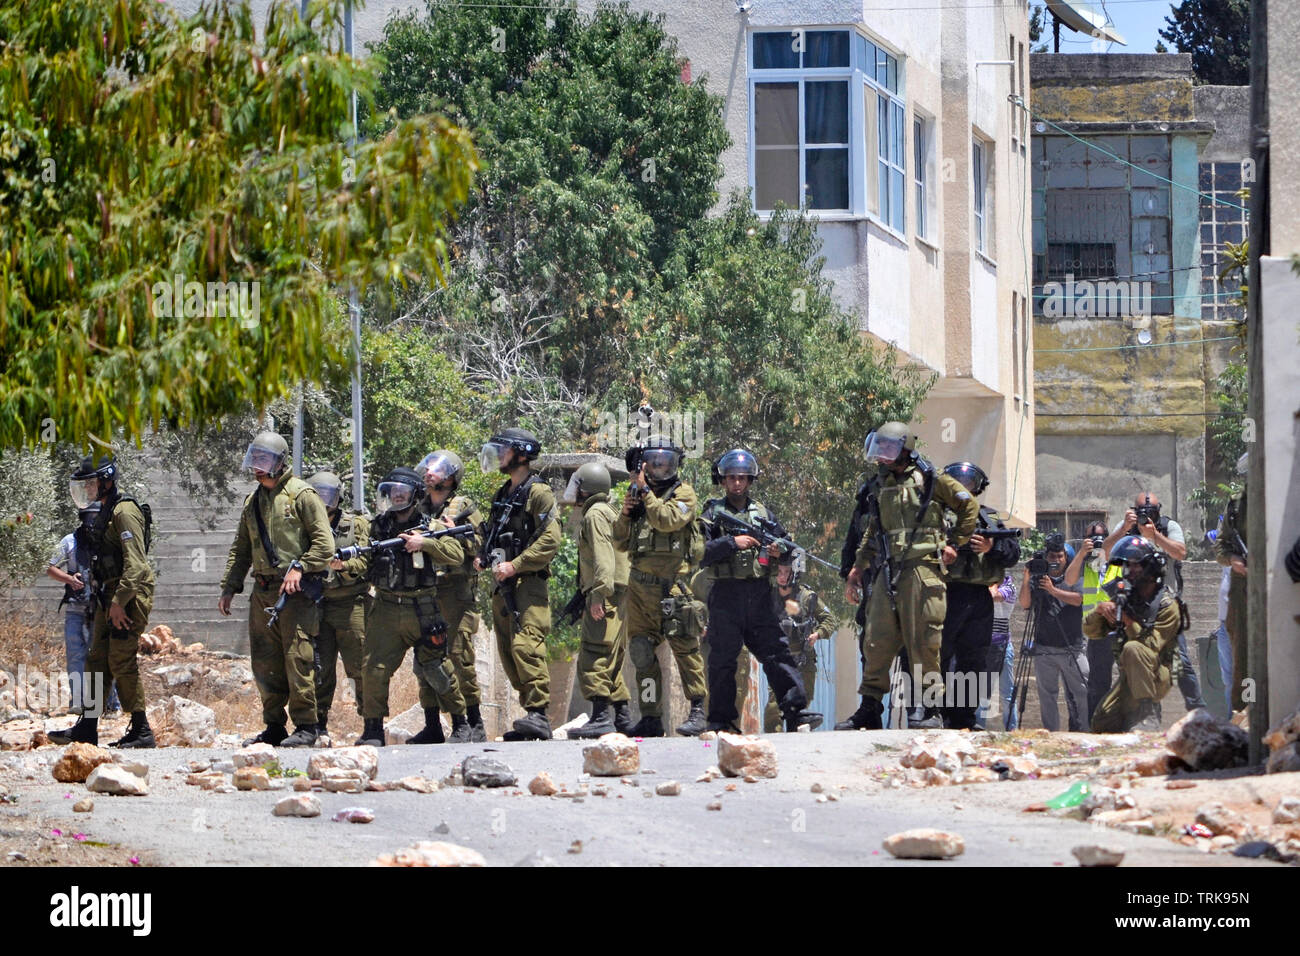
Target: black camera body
<point x="1037" y="566"/>
<point x="1146" y="514"/>
<point x="1097" y="541"/>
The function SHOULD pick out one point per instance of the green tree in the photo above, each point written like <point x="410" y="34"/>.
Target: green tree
<point x="1217" y="35"/>
<point x="139" y="152"/>
<point x="30" y="520"/>
<point x="1039" y="27"/>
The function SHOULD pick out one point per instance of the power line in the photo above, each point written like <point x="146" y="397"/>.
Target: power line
<point x="1149" y="345"/>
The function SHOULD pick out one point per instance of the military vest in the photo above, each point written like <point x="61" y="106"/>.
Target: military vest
<point x="520" y="530"/>
<point x="345" y="536"/>
<point x="455" y="506"/>
<point x="651" y="550"/>
<point x="397" y="569"/>
<point x="800" y="625"/>
<point x="900" y="505"/>
<point x="747" y="564"/>
<point x="287" y="533"/>
<point x="107" y="559"/>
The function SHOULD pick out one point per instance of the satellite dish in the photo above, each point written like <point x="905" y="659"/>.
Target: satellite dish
<point x="1144" y="337"/>
<point x="1080" y="17"/>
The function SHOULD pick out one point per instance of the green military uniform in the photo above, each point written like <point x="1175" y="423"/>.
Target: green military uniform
<point x="406" y="613"/>
<point x="121" y="575"/>
<point x="916" y="541"/>
<point x="298" y="528"/>
<point x="811" y="618"/>
<point x="343" y="618"/>
<point x="456" y="600"/>
<point x="537" y="535"/>
<point x="1229" y="543"/>
<point x="659" y="538"/>
<point x="1145" y="658"/>
<point x="602" y="577"/>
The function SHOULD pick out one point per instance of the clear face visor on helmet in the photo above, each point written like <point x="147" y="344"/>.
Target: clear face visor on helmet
<point x="571" y="490"/>
<point x="394" y="496"/>
<point x="660" y="463"/>
<point x="884" y="451"/>
<point x="329" y="494"/>
<point x="738" y="463"/>
<point x="84" y="491"/>
<point x="968" y="480"/>
<point x="436" y="469"/>
<point x="494" y="455"/>
<point x="262" y="459"/>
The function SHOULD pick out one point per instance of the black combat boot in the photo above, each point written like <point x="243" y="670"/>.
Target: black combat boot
<point x="274" y="735"/>
<point x="461" y="733"/>
<point x="929" y="719"/>
<point x="696" y="720"/>
<point x="601" y="723"/>
<point x="533" y="726"/>
<point x="1147" y="717"/>
<point x="85" y="731"/>
<point x="866" y="717"/>
<point x="719" y="727"/>
<point x="477" y="732"/>
<point x="648" y="726"/>
<point x="303" y="736"/>
<point x="372" y="733"/>
<point x="139" y="735"/>
<point x="622" y="717"/>
<point x="802" y="718"/>
<point x="432" y="732"/>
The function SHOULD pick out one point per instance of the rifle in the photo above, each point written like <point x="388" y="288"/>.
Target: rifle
<point x="996" y="534"/>
<point x="1117" y="589"/>
<point x="764" y="530"/>
<point x="390" y="544"/>
<point x="884" y="561"/>
<point x="312" y="587"/>
<point x="497" y="541"/>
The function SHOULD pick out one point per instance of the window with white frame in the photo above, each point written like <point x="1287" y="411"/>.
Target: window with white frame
<point x="922" y="150"/>
<point x="980" y="154"/>
<point x="813" y="146"/>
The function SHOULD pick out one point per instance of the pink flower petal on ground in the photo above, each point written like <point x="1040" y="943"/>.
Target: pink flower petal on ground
<point x="78" y="837"/>
<point x="56" y="833"/>
<point x="134" y="861"/>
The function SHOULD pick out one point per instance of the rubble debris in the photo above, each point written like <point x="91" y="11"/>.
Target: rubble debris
<point x="746" y="756"/>
<point x="924" y="844"/>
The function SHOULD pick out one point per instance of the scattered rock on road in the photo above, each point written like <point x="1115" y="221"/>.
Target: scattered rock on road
<point x="542" y="785"/>
<point x="1203" y="743"/>
<point x="181" y="722"/>
<point x="254" y="755"/>
<point x="741" y="756"/>
<point x="1287" y="810"/>
<point x="117" y="781"/>
<point x="303" y="805"/>
<point x="431" y="853"/>
<point x="252" y="778"/>
<point x="340" y="780"/>
<point x="669" y="788"/>
<point x="84" y="805"/>
<point x="354" y="815"/>
<point x="925" y="844"/>
<point x="613" y="755"/>
<point x="1098" y="855"/>
<point x="78" y="760"/>
<point x="1218" y="818"/>
<point x="365" y="759"/>
<point x="479" y="771"/>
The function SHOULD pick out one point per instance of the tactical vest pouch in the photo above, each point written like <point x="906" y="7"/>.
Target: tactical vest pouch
<point x="433" y="626"/>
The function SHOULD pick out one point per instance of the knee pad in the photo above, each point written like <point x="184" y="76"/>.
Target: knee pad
<point x="642" y="651"/>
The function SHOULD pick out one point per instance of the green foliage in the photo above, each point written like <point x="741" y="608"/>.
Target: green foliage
<point x="138" y="151"/>
<point x="564" y="640"/>
<point x="31" y="522"/>
<point x="1217" y="35"/>
<point x="1227" y="442"/>
<point x="1039" y="26"/>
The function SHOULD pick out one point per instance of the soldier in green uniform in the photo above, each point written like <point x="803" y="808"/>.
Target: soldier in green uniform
<point x="343" y="605"/>
<point x="520" y="539"/>
<point x="442" y="472"/>
<point x="284" y="536"/>
<point x="908" y="601"/>
<point x="405" y="611"/>
<point x="805" y="621"/>
<point x="657" y="527"/>
<point x="123" y="597"/>
<point x="1230" y="550"/>
<point x="602" y="581"/>
<point x="1146" y="644"/>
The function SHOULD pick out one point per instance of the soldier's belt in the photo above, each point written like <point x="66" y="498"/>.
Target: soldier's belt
<point x="406" y="597"/>
<point x="268" y="581"/>
<point x="642" y="577"/>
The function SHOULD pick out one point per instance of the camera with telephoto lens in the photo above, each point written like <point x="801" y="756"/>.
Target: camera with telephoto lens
<point x="1146" y="514"/>
<point x="1037" y="566"/>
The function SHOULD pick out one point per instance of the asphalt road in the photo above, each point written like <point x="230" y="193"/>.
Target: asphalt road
<point x="770" y="823"/>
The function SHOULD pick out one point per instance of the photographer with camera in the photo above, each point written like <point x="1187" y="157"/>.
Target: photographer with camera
<point x="1057" y="638"/>
<point x="1090" y="565"/>
<point x="1144" y="520"/>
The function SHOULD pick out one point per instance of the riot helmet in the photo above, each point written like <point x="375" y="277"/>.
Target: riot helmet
<point x="795" y="560"/>
<point x="892" y="443"/>
<point x="1139" y="558"/>
<point x="661" y="457"/>
<point x="969" y="475"/>
<point x="88" y="483"/>
<point x="590" y="479"/>
<point x="330" y="488"/>
<point x="441" y="469"/>
<point x="737" y="461"/>
<point x="266" y="453"/>
<point x="498" y="452"/>
<point x="400" y="490"/>
<point x="89" y="513"/>
<point x="866" y="442"/>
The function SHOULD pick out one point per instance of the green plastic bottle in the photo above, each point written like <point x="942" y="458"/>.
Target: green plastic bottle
<point x="1070" y="798"/>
